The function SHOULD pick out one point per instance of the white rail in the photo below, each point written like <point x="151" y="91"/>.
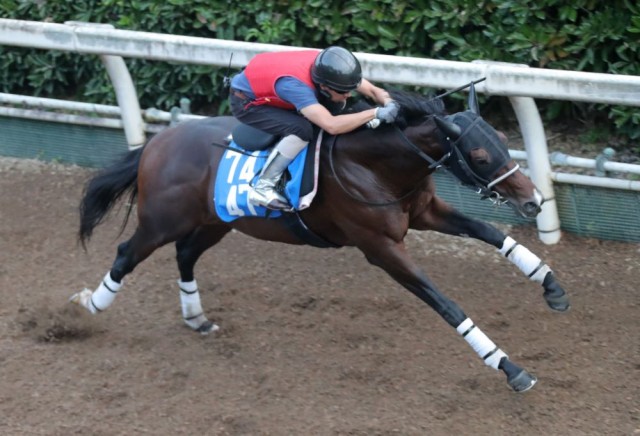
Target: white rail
<point x="48" y="109"/>
<point x="73" y="112"/>
<point x="502" y="78"/>
<point x="520" y="84"/>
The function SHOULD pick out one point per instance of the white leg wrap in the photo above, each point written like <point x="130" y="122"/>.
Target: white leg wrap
<point x="481" y="344"/>
<point x="190" y="301"/>
<point x="102" y="297"/>
<point x="529" y="263"/>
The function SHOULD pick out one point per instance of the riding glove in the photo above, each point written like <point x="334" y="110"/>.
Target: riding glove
<point x="373" y="124"/>
<point x="388" y="113"/>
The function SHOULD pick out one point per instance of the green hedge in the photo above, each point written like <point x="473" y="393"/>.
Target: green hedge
<point x="583" y="35"/>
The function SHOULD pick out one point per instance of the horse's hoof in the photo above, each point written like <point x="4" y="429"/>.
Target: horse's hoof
<point x="82" y="298"/>
<point x="201" y="324"/>
<point x="207" y="327"/>
<point x="557" y="303"/>
<point x="522" y="382"/>
<point x="555" y="296"/>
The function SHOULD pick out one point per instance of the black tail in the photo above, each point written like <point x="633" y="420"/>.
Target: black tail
<point x="103" y="191"/>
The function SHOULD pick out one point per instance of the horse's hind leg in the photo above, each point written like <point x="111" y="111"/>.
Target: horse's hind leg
<point x="130" y="254"/>
<point x="188" y="251"/>
<point x="443" y="218"/>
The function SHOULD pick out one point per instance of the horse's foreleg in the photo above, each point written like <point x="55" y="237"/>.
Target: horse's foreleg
<point x="444" y="219"/>
<point x="392" y="257"/>
<point x="534" y="268"/>
<point x="188" y="251"/>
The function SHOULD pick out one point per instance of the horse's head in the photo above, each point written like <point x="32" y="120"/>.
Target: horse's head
<point x="479" y="158"/>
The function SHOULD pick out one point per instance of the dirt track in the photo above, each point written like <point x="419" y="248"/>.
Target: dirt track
<point x="313" y="342"/>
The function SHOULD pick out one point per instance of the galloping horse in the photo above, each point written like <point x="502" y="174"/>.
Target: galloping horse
<point x="373" y="186"/>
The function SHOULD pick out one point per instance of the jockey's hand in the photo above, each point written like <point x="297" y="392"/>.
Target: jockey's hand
<point x="389" y="112"/>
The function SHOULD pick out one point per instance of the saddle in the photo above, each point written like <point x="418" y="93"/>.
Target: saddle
<point x="251" y="139"/>
<point x="246" y="153"/>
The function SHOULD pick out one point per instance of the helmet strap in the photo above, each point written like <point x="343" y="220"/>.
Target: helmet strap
<point x="323" y="92"/>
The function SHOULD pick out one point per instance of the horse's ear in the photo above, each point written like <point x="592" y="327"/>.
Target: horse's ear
<point x="473" y="100"/>
<point x="452" y="130"/>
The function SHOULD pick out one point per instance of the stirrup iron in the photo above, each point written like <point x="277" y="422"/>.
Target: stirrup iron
<point x="264" y="192"/>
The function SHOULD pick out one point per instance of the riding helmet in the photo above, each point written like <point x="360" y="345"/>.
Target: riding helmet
<point x="337" y="68"/>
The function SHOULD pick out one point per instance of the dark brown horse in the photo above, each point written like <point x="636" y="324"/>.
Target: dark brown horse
<point x="374" y="185"/>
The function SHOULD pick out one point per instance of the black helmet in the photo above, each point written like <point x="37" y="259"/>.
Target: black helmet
<point x="337" y="68"/>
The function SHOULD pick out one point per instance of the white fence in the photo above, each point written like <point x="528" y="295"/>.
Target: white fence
<point x="519" y="83"/>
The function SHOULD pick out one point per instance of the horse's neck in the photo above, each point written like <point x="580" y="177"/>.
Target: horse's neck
<point x="424" y="136"/>
<point x="393" y="162"/>
<point x="407" y="154"/>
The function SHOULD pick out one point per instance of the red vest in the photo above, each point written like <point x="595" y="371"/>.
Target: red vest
<point x="264" y="69"/>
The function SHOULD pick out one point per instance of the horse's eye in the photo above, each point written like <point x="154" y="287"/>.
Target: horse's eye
<point x="480" y="156"/>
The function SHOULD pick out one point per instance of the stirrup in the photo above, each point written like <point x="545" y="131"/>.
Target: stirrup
<point x="264" y="194"/>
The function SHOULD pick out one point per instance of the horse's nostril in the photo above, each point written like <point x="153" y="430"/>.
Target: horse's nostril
<point x="531" y="207"/>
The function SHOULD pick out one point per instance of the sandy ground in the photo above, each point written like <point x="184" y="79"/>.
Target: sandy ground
<point x="312" y="342"/>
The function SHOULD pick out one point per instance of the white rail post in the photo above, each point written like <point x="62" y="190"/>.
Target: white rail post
<point x="134" y="128"/>
<point x="535" y="143"/>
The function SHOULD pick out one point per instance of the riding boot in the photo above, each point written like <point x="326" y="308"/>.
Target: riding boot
<point x="263" y="192"/>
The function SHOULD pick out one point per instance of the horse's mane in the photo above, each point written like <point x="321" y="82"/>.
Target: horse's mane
<point x="415" y="107"/>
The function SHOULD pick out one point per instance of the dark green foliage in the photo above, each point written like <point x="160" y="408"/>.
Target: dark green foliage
<point x="583" y="35"/>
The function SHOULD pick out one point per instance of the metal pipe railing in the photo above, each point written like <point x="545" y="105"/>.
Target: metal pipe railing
<point x="48" y="109"/>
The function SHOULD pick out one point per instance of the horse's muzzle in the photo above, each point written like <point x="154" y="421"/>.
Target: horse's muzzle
<point x="533" y="207"/>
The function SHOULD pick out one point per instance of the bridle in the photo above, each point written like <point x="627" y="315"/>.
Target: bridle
<point x="458" y="134"/>
<point x="494" y="196"/>
<point x="453" y="161"/>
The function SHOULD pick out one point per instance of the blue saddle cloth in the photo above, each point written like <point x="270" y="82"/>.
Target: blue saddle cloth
<point x="237" y="169"/>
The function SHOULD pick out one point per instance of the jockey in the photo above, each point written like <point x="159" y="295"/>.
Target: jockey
<point x="284" y="93"/>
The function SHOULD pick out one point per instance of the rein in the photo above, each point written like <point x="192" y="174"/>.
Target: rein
<point x="433" y="164"/>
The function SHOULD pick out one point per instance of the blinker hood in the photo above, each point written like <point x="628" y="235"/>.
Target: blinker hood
<point x="467" y="131"/>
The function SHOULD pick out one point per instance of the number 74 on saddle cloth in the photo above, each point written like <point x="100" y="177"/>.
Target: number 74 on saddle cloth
<point x="236" y="171"/>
